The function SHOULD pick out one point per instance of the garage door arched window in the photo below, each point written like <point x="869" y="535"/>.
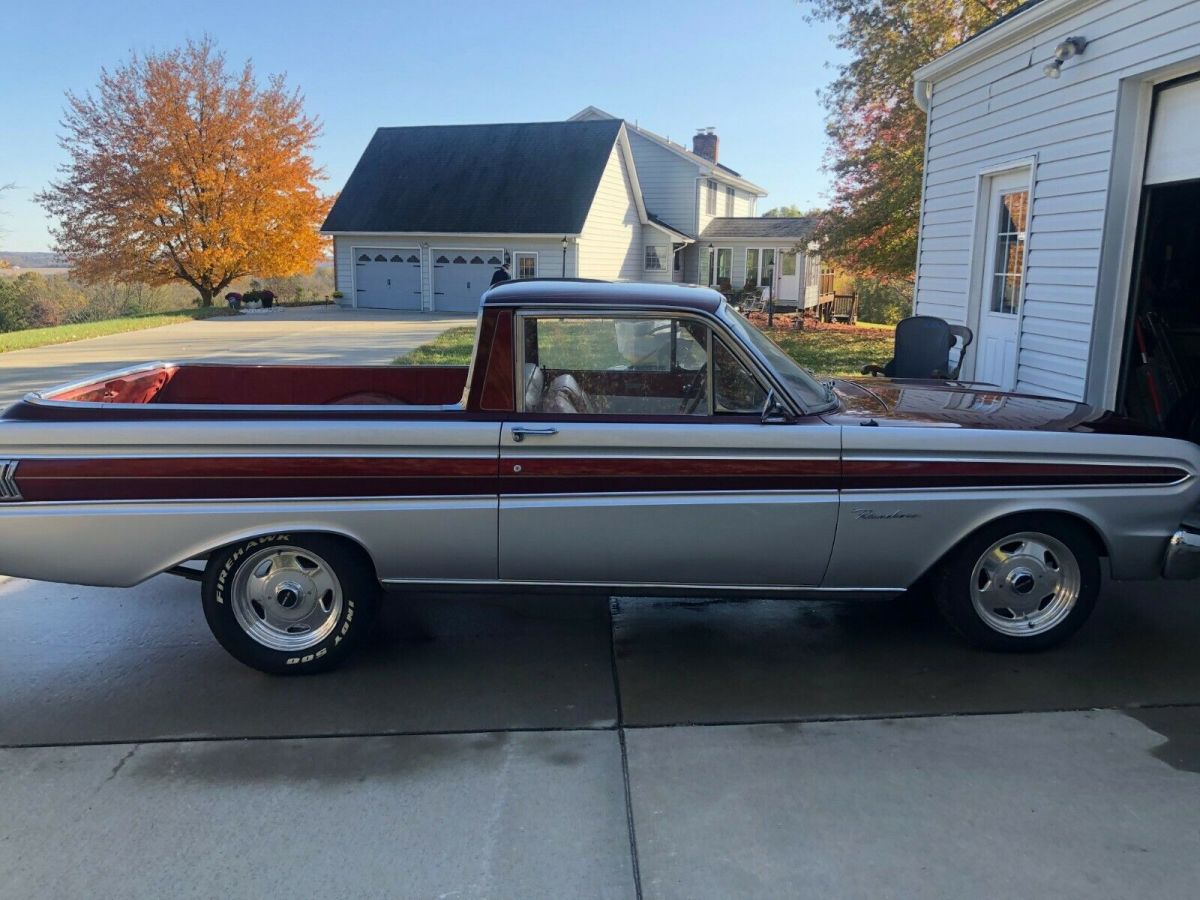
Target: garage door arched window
<point x="460" y="260"/>
<point x="442" y="260"/>
<point x="396" y="257"/>
<point x="477" y="261"/>
<point x="364" y="258"/>
<point x="494" y="261"/>
<point x="379" y="257"/>
<point x="414" y="258"/>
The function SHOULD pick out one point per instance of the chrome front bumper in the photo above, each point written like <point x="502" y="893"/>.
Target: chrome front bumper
<point x="1182" y="560"/>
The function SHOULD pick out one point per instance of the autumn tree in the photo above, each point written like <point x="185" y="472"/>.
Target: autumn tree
<point x="790" y="212"/>
<point x="876" y="130"/>
<point x="183" y="170"/>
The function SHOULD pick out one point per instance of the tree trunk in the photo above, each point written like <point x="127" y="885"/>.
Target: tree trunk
<point x="206" y="296"/>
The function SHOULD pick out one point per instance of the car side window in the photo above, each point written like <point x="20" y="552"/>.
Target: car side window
<point x="735" y="389"/>
<point x="616" y="365"/>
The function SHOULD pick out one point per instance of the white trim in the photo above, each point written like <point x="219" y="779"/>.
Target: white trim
<point x="516" y="265"/>
<point x="1118" y="245"/>
<point x="631" y="175"/>
<point x="1021" y="26"/>
<point x="679" y="236"/>
<point x="979" y="247"/>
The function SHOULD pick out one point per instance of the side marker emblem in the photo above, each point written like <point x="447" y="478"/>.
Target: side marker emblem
<point x="8" y="480"/>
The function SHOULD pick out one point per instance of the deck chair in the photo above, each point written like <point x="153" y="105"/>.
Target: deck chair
<point x="922" y="349"/>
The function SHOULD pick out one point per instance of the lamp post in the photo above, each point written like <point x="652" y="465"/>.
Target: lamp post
<point x="564" y="262"/>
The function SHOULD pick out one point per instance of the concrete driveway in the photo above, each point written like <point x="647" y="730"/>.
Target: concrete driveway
<point x="306" y="335"/>
<point x="581" y="747"/>
<point x="533" y="746"/>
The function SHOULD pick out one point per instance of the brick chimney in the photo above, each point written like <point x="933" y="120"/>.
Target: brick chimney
<point x="707" y="144"/>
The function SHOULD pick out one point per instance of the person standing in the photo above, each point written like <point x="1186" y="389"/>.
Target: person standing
<point x="501" y="275"/>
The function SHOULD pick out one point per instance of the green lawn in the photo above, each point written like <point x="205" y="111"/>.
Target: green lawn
<point x="825" y="349"/>
<point x="62" y="334"/>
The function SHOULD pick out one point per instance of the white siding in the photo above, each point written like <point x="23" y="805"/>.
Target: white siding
<point x="668" y="182"/>
<point x="1002" y="108"/>
<point x="610" y="244"/>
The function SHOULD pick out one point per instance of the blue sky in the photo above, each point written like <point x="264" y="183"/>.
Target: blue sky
<point x="749" y="67"/>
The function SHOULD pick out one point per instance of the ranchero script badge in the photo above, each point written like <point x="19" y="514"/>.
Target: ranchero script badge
<point x="872" y="515"/>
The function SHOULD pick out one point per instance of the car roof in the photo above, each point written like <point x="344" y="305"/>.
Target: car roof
<point x="585" y="292"/>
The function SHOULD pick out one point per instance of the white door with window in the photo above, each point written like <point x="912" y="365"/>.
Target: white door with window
<point x="789" y="278"/>
<point x="1003" y="286"/>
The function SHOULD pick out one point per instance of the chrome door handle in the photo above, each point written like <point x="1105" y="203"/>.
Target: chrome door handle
<point x="520" y="431"/>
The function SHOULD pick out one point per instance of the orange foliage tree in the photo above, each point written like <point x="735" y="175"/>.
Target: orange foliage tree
<point x="181" y="170"/>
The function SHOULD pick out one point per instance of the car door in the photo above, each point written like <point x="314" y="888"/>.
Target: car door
<point x="639" y="456"/>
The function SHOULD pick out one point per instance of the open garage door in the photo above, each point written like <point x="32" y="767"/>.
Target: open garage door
<point x="461" y="276"/>
<point x="387" y="278"/>
<point x="1161" y="374"/>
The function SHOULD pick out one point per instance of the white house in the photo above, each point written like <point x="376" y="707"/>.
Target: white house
<point x="1061" y="206"/>
<point x="430" y="212"/>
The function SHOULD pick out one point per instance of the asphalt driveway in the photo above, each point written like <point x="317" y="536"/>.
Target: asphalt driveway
<point x="306" y="335"/>
<point x="581" y="747"/>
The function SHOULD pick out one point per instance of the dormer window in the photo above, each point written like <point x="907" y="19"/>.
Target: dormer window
<point x="729" y="194"/>
<point x="710" y="206"/>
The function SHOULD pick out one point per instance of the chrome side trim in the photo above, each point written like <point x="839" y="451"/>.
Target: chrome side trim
<point x="643" y="587"/>
<point x="1182" y="559"/>
<point x="8" y="480"/>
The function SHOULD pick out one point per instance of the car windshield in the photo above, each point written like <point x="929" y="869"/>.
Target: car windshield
<point x="805" y="387"/>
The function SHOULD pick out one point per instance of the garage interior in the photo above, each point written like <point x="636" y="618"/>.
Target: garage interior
<point x="1160" y="382"/>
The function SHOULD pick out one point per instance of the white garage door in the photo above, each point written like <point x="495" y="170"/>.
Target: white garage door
<point x="461" y="276"/>
<point x="387" y="278"/>
<point x="1174" y="138"/>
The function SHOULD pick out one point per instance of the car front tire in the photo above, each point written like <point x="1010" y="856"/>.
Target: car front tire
<point x="290" y="604"/>
<point x="1023" y="584"/>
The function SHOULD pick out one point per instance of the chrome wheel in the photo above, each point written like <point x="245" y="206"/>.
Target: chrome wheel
<point x="1025" y="584"/>
<point x="286" y="598"/>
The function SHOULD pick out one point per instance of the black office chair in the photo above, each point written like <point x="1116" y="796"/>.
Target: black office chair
<point x="922" y="349"/>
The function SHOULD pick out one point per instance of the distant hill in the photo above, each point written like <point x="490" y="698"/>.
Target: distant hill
<point x="32" y="260"/>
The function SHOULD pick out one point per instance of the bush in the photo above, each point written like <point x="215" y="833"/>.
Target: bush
<point x="13" y="314"/>
<point x="882" y="302"/>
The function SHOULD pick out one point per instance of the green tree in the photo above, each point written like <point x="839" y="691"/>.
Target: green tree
<point x="790" y="212"/>
<point x="876" y="130"/>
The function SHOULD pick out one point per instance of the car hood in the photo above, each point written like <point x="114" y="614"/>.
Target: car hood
<point x="956" y="404"/>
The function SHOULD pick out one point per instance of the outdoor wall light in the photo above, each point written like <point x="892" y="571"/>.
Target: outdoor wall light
<point x="1072" y="46"/>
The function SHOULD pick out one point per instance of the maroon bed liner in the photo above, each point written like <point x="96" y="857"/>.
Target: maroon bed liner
<point x="232" y="385"/>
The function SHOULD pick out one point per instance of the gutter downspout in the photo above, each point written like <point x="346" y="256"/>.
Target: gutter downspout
<point x="923" y="93"/>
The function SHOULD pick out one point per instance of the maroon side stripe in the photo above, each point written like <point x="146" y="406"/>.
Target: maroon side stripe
<point x="885" y="474"/>
<point x="564" y="475"/>
<point x="252" y="478"/>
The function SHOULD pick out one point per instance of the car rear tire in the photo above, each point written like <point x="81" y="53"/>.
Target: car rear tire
<point x="290" y="604"/>
<point x="1023" y="584"/>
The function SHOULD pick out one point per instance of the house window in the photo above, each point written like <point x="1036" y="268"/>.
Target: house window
<point x="751" y="268"/>
<point x="768" y="267"/>
<point x="724" y="266"/>
<point x="760" y="266"/>
<point x="789" y="265"/>
<point x="526" y="264"/>
<point x="654" y="257"/>
<point x="710" y="205"/>
<point x="729" y="194"/>
<point x="1009" y="267"/>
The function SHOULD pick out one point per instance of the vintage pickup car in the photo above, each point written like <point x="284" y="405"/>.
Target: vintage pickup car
<point x="622" y="437"/>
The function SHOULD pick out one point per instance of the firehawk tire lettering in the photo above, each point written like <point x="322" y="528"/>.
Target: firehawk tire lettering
<point x="354" y="576"/>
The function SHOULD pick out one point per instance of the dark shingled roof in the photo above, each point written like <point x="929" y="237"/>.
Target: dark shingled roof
<point x="535" y="178"/>
<point x="757" y="227"/>
<point x="1016" y="11"/>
